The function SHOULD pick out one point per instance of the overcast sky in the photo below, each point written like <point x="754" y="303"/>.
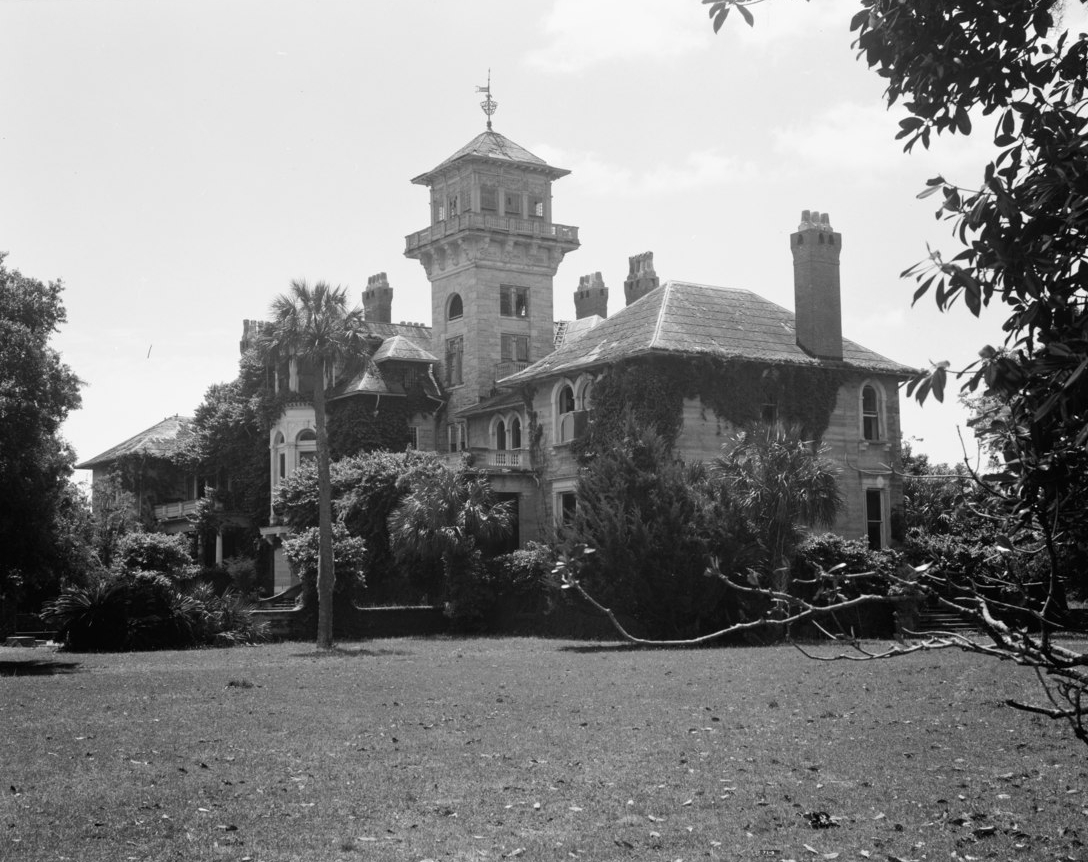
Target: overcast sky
<point x="178" y="163"/>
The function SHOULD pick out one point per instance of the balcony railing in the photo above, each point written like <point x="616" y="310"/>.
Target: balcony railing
<point x="508" y="367"/>
<point x="490" y="459"/>
<point x="173" y="511"/>
<point x="480" y="221"/>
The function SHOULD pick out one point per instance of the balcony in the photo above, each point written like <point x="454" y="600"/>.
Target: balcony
<point x="176" y="511"/>
<point x="508" y="367"/>
<point x="478" y="458"/>
<point x="479" y="221"/>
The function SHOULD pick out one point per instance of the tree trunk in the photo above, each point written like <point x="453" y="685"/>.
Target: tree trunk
<point x="326" y="575"/>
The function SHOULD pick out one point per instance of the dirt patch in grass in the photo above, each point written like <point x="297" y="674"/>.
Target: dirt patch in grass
<point x="503" y="749"/>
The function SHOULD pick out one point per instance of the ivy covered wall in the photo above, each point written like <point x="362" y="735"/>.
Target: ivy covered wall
<point x="654" y="388"/>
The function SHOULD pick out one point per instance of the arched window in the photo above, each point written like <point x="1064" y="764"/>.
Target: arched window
<point x="456" y="308"/>
<point x="870" y="414"/>
<point x="565" y="401"/>
<point x="500" y="435"/>
<point x="585" y="393"/>
<point x="564" y="414"/>
<point x="515" y="432"/>
<point x="306" y="446"/>
<point x="279" y="457"/>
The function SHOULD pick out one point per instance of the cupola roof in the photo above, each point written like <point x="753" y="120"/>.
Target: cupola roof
<point x="490" y="146"/>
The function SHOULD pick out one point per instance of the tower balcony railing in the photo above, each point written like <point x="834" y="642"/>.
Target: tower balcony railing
<point x="508" y="367"/>
<point x="482" y="221"/>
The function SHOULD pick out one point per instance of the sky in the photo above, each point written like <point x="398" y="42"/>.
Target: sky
<point x="177" y="164"/>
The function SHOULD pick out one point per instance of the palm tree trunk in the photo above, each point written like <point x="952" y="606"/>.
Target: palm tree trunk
<point x="326" y="575"/>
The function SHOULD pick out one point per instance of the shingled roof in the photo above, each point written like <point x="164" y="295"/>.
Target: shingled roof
<point x="161" y="441"/>
<point x="491" y="145"/>
<point x="685" y="319"/>
<point x="404" y="349"/>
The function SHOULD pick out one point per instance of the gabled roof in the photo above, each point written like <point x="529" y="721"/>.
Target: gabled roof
<point x="682" y="318"/>
<point x="161" y="441"/>
<point x="403" y="349"/>
<point x="491" y="145"/>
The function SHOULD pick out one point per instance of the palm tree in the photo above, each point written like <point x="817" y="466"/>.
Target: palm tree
<point x="315" y="326"/>
<point x="447" y="517"/>
<point x="782" y="486"/>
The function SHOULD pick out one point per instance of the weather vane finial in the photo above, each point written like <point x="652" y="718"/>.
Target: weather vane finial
<point x="489" y="105"/>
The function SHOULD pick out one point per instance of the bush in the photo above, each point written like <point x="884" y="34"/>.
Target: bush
<point x="349" y="553"/>
<point x="243" y="574"/>
<point x="154" y="552"/>
<point x="148" y="611"/>
<point x="523" y="580"/>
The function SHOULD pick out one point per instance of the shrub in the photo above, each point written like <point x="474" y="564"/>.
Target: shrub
<point x="243" y="574"/>
<point x="349" y="553"/>
<point x="154" y="552"/>
<point x="523" y="580"/>
<point x="822" y="553"/>
<point x="147" y="611"/>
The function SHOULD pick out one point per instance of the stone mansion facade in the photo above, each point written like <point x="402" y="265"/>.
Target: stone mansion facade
<point x="500" y="386"/>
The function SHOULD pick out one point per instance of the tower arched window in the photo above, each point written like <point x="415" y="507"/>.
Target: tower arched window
<point x="455" y="310"/>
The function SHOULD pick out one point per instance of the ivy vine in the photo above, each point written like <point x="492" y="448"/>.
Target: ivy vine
<point x="653" y="390"/>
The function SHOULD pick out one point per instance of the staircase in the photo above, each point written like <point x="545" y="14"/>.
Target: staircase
<point x="944" y="621"/>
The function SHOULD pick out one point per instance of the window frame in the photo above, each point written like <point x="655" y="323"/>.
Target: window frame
<point x="455" y="346"/>
<point x="877" y="416"/>
<point x="512" y="299"/>
<point x="455" y="297"/>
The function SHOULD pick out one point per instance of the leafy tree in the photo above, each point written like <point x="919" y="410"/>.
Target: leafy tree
<point x="37" y="391"/>
<point x="1022" y="243"/>
<point x="155" y="552"/>
<point x="113" y="515"/>
<point x="653" y="522"/>
<point x="449" y="517"/>
<point x="230" y="439"/>
<point x="303" y="552"/>
<point x="314" y="326"/>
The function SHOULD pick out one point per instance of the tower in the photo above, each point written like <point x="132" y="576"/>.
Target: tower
<point x="490" y="253"/>
<point x="817" y="304"/>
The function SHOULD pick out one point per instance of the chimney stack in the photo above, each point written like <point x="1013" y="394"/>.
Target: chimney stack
<point x="641" y="279"/>
<point x="817" y="304"/>
<point x="378" y="299"/>
<point x="591" y="297"/>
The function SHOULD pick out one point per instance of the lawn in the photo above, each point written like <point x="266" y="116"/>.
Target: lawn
<point x="527" y="749"/>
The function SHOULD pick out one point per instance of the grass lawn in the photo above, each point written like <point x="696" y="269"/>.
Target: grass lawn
<point x="528" y="749"/>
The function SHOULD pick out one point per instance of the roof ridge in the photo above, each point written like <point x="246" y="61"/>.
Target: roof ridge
<point x="666" y="292"/>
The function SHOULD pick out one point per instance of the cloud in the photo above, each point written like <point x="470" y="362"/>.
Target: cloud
<point x="585" y="33"/>
<point x="699" y="169"/>
<point x="861" y="139"/>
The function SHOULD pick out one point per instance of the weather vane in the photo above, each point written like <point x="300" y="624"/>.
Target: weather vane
<point x="489" y="105"/>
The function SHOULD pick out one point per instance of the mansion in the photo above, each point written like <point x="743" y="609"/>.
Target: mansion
<point x="499" y="386"/>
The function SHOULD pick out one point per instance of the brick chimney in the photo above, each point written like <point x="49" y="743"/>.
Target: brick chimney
<point x="378" y="299"/>
<point x="817" y="305"/>
<point x="642" y="278"/>
<point x="591" y="297"/>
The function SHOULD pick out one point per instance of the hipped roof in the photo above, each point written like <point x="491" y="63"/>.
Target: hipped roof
<point x="160" y="440"/>
<point x="488" y="146"/>
<point x="685" y="319"/>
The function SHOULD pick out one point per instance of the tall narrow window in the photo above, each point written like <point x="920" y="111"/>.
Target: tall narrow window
<point x="453" y="203"/>
<point x="512" y="204"/>
<point x="536" y="207"/>
<point x="564" y="409"/>
<point x="514" y="348"/>
<point x="456" y="436"/>
<point x="455" y="354"/>
<point x="500" y="435"/>
<point x="515" y="433"/>
<point x="456" y="308"/>
<point x="568" y="506"/>
<point x="768" y="413"/>
<point x="489" y="199"/>
<point x="513" y="301"/>
<point x="870" y="413"/>
<point x="874" y="518"/>
<point x="413" y="436"/>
